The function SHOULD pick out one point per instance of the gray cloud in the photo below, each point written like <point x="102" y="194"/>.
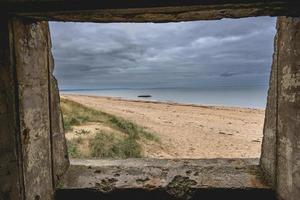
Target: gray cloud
<point x="186" y="54"/>
<point x="229" y="74"/>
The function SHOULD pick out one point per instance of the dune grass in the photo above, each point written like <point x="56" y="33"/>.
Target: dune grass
<point x="105" y="144"/>
<point x="73" y="147"/>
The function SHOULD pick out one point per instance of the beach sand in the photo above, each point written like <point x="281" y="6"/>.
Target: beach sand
<point x="188" y="131"/>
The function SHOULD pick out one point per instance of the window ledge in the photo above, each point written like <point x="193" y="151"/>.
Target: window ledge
<point x="108" y="175"/>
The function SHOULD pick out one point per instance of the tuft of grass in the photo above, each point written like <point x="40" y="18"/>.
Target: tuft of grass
<point x="125" y="126"/>
<point x="131" y="129"/>
<point x="73" y="149"/>
<point x="104" y="144"/>
<point x="129" y="148"/>
<point x="149" y="136"/>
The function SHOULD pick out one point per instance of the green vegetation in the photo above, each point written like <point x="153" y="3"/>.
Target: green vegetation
<point x="132" y="130"/>
<point x="105" y="144"/>
<point x="73" y="149"/>
<point x="129" y="148"/>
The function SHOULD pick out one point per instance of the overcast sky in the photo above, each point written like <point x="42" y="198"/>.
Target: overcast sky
<point x="230" y="52"/>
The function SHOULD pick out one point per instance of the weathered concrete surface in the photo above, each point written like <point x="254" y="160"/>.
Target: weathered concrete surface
<point x="11" y="185"/>
<point x="32" y="144"/>
<point x="31" y="62"/>
<point x="268" y="152"/>
<point x="177" y="177"/>
<point x="60" y="157"/>
<point x="288" y="127"/>
<point x="147" y="10"/>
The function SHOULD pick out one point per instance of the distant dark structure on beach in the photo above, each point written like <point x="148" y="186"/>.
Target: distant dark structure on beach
<point x="144" y="96"/>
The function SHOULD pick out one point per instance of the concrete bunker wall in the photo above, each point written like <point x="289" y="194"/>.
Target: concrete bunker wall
<point x="280" y="149"/>
<point x="32" y="145"/>
<point x="33" y="149"/>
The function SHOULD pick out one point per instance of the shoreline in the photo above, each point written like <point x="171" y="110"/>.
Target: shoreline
<point x="223" y="107"/>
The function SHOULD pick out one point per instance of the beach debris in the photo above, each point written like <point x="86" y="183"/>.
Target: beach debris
<point x="144" y="96"/>
<point x="223" y="133"/>
<point x="82" y="132"/>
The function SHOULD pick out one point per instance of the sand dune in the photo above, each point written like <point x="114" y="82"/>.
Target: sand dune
<point x="188" y="131"/>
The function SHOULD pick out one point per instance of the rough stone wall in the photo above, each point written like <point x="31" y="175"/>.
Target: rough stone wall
<point x="32" y="143"/>
<point x="43" y="146"/>
<point x="31" y="62"/>
<point x="281" y="144"/>
<point x="268" y="154"/>
<point x="59" y="146"/>
<point x="288" y="127"/>
<point x="10" y="173"/>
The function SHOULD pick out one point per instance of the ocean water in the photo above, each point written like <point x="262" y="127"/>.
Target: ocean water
<point x="249" y="97"/>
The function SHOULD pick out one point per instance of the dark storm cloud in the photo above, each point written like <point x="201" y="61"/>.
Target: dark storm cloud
<point x="187" y="54"/>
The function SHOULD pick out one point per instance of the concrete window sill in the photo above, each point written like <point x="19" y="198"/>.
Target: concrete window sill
<point x="178" y="179"/>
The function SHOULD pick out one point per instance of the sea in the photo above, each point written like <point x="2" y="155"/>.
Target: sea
<point x="246" y="97"/>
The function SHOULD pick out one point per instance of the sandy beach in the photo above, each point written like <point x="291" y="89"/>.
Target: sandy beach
<point x="187" y="131"/>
